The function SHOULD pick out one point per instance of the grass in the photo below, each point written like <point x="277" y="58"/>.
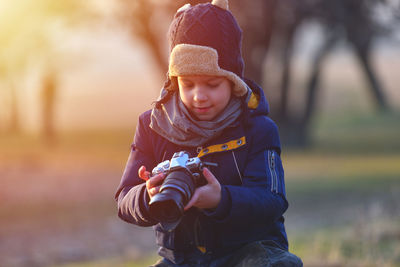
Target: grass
<point x="117" y="262"/>
<point x="344" y="192"/>
<point x="366" y="133"/>
<point x="365" y="243"/>
<point x="345" y="221"/>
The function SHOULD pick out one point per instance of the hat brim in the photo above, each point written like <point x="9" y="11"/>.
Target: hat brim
<point x="187" y="59"/>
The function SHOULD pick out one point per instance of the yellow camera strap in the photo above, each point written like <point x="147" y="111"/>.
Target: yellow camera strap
<point x="233" y="144"/>
<point x="202" y="249"/>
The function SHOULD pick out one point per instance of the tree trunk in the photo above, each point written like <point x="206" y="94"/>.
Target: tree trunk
<point x="14" y="126"/>
<point x="48" y="101"/>
<point x="364" y="56"/>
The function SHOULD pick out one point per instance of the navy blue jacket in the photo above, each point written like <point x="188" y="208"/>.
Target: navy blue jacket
<point x="252" y="186"/>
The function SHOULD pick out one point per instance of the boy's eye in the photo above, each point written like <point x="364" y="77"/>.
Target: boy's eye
<point x="187" y="84"/>
<point x="213" y="85"/>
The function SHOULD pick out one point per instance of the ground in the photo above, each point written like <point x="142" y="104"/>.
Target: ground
<point x="58" y="207"/>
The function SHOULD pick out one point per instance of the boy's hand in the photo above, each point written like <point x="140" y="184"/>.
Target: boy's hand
<point x="153" y="184"/>
<point x="207" y="196"/>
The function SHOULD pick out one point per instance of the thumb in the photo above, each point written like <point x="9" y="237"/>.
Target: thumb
<point x="209" y="176"/>
<point x="192" y="200"/>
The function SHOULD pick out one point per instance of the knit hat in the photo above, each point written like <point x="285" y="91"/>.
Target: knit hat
<point x="205" y="39"/>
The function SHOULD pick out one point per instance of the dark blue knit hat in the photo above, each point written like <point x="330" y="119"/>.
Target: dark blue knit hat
<point x="205" y="39"/>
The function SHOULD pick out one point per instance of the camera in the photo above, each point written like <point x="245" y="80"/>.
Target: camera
<point x="183" y="176"/>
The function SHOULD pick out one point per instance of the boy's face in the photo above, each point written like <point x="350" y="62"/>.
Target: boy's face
<point x="204" y="96"/>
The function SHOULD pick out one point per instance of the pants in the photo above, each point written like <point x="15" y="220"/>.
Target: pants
<point x="256" y="254"/>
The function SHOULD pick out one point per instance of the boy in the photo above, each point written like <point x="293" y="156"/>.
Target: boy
<point x="209" y="110"/>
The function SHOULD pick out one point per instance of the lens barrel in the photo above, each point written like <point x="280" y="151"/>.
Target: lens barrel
<point x="175" y="193"/>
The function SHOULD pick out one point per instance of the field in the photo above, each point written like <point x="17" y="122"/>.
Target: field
<point x="58" y="207"/>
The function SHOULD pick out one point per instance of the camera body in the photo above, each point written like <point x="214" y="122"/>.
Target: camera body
<point x="179" y="161"/>
<point x="182" y="176"/>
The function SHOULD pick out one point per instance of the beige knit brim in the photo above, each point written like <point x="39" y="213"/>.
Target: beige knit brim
<point x="186" y="59"/>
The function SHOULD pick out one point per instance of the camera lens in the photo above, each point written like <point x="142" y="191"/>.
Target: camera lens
<point x="167" y="207"/>
<point x="175" y="193"/>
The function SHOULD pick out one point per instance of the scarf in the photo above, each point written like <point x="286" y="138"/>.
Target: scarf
<point x="173" y="121"/>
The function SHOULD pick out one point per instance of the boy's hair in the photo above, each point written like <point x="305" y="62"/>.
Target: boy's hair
<point x="205" y="39"/>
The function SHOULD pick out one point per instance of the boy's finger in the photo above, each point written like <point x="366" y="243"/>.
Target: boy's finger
<point x="154" y="190"/>
<point x="209" y="176"/>
<point x="143" y="174"/>
<point x="192" y="201"/>
<point x="155" y="180"/>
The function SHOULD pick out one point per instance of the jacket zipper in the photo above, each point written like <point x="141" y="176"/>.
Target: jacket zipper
<point x="237" y="167"/>
<point x="274" y="176"/>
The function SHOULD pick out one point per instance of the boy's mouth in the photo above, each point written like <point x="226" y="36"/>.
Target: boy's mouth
<point x="201" y="109"/>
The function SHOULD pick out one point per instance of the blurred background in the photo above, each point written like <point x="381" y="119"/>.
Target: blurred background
<point x="75" y="75"/>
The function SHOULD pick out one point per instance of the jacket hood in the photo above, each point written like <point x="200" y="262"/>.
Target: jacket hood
<point x="256" y="100"/>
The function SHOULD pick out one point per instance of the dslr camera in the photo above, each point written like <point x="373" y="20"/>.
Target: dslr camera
<point x="183" y="176"/>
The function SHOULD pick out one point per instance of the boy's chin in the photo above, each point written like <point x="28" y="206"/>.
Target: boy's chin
<point x="204" y="117"/>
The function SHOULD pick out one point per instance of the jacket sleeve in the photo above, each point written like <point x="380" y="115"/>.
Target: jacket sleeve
<point x="261" y="197"/>
<point x="131" y="194"/>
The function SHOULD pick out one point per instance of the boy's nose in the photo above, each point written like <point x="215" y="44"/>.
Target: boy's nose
<point x="199" y="95"/>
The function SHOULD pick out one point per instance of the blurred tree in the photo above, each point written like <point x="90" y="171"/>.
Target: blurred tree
<point x="354" y="21"/>
<point x="14" y="120"/>
<point x="27" y="37"/>
<point x="48" y="99"/>
<point x="147" y="21"/>
<point x="264" y="21"/>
